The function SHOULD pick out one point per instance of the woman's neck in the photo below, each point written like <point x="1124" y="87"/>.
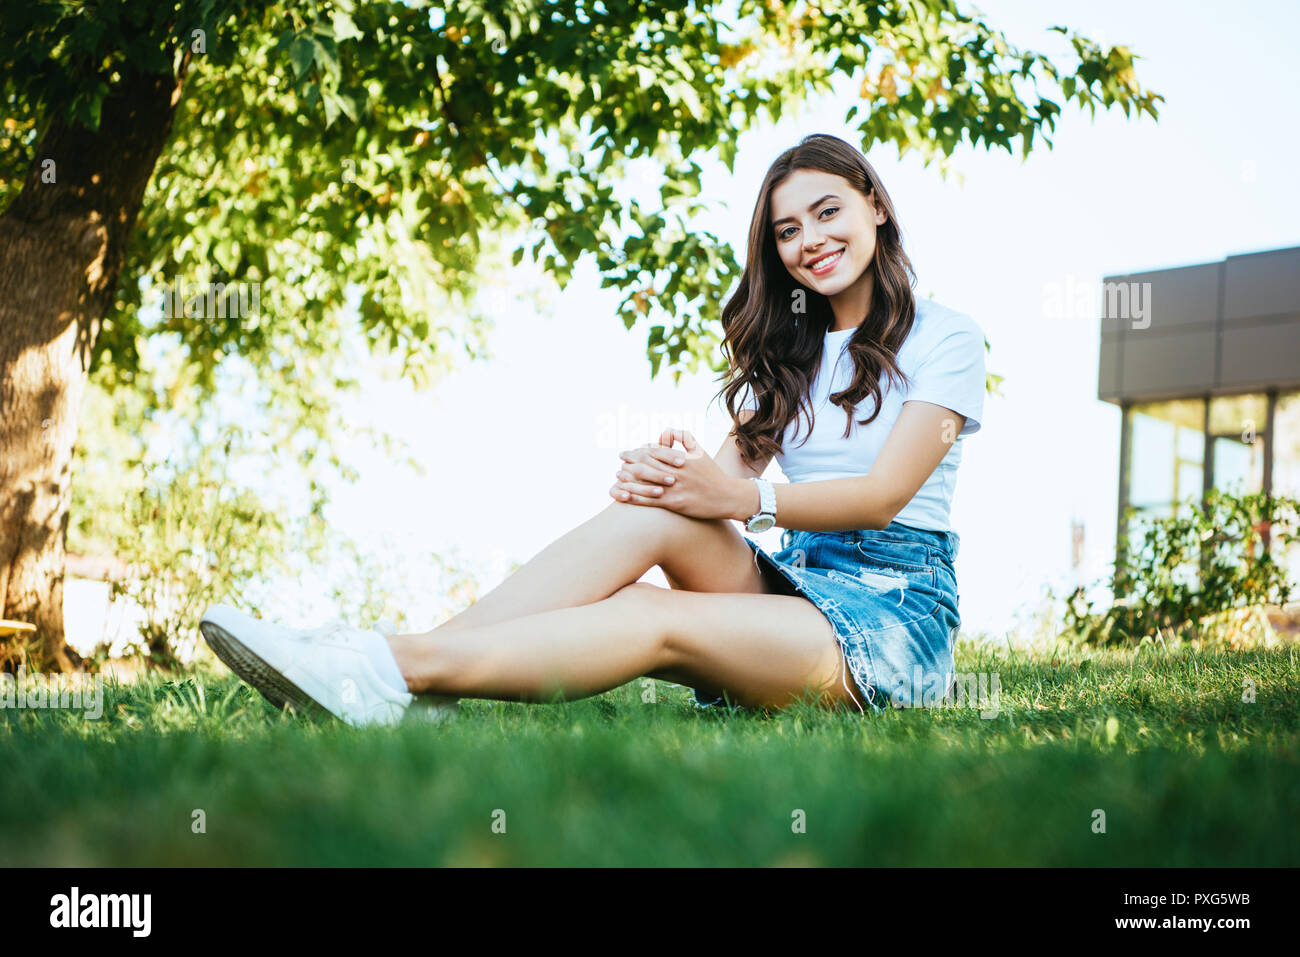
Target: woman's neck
<point x="851" y="305"/>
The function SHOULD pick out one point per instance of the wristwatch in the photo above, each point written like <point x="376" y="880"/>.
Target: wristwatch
<point x="765" y="517"/>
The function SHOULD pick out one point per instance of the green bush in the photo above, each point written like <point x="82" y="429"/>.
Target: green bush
<point x="194" y="538"/>
<point x="191" y="537"/>
<point x="1193" y="567"/>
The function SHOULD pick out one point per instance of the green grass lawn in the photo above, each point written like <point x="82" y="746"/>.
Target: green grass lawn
<point x="1187" y="773"/>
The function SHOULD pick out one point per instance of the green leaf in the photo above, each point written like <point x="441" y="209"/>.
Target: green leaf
<point x="326" y="55"/>
<point x="302" y="53"/>
<point x="344" y="28"/>
<point x="331" y="103"/>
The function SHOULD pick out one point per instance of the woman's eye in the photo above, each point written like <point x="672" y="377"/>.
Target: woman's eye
<point x="785" y="233"/>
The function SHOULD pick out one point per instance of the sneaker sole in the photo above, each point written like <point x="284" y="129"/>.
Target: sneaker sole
<point x="271" y="684"/>
<point x="430" y="713"/>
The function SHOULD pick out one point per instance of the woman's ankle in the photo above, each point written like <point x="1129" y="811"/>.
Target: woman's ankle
<point x="417" y="658"/>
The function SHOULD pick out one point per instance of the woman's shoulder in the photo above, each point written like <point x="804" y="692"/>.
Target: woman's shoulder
<point x="935" y="321"/>
<point x="939" y="330"/>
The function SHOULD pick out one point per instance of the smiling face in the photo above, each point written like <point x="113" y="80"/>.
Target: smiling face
<point x="825" y="234"/>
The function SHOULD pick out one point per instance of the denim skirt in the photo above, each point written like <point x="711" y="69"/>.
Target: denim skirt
<point x="891" y="596"/>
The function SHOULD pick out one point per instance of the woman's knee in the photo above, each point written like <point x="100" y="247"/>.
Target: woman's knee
<point x="644" y="596"/>
<point x="662" y="526"/>
<point x="658" y="610"/>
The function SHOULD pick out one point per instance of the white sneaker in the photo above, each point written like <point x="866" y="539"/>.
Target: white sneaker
<point x="425" y="707"/>
<point x="322" y="669"/>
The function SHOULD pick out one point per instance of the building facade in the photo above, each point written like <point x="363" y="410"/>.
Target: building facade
<point x="1204" y="363"/>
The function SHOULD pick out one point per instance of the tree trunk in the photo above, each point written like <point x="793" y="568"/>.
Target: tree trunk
<point x="62" y="244"/>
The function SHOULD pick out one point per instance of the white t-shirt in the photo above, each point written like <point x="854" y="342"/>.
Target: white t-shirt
<point x="943" y="358"/>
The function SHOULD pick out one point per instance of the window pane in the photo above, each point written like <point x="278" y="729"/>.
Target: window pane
<point x="1238" y="414"/>
<point x="1191" y="444"/>
<point x="1168" y="453"/>
<point x="1286" y="445"/>
<point x="1189" y="481"/>
<point x="1286" y="469"/>
<point x="1238" y="468"/>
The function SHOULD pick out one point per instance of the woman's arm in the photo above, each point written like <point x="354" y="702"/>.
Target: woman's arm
<point x="912" y="451"/>
<point x="729" y="459"/>
<point x="704" y="488"/>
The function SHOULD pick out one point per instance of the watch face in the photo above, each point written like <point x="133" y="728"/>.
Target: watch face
<point x="761" y="524"/>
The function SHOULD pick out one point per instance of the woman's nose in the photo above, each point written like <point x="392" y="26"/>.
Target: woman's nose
<point x="812" y="239"/>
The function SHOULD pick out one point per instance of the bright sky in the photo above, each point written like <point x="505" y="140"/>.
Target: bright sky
<point x="523" y="447"/>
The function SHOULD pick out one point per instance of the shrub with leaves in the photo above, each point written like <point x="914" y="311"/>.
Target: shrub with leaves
<point x="1193" y="567"/>
<point x="195" y="538"/>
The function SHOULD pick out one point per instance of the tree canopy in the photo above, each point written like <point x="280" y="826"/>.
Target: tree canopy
<point x="384" y="144"/>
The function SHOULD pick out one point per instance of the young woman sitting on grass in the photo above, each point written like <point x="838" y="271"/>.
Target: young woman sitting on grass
<point x="861" y="391"/>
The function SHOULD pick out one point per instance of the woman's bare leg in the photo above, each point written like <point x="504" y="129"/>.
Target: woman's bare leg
<point x="615" y="548"/>
<point x="574" y="621"/>
<point x="763" y="649"/>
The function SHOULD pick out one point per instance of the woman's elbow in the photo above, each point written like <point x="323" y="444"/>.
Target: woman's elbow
<point x="883" y="516"/>
<point x="878" y="522"/>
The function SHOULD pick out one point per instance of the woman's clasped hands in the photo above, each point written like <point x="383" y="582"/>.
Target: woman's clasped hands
<point x="685" y="480"/>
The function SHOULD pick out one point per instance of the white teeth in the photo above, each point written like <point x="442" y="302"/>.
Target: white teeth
<point x="829" y="260"/>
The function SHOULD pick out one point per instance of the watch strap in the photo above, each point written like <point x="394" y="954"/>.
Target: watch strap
<point x="766" y="498"/>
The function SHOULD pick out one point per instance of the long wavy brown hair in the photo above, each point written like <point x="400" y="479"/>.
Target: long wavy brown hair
<point x="774" y="351"/>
